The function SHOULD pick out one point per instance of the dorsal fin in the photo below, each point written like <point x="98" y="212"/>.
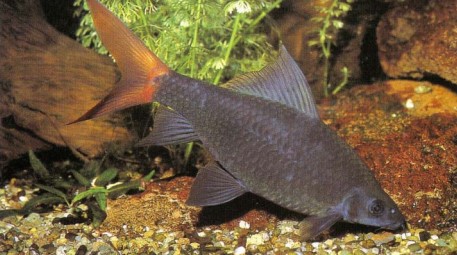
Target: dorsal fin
<point x="281" y="81"/>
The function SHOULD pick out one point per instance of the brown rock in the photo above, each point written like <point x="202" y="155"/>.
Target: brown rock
<point x="417" y="39"/>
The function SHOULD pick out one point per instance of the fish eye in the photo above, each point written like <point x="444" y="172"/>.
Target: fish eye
<point x="376" y="207"/>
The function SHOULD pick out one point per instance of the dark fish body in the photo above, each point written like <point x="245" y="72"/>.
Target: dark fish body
<point x="278" y="152"/>
<point x="262" y="129"/>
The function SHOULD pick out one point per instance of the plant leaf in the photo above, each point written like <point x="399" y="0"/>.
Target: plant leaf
<point x="149" y="176"/>
<point x="37" y="166"/>
<point x="121" y="189"/>
<point x="53" y="191"/>
<point x="9" y="212"/>
<point x="101" y="200"/>
<point x="47" y="198"/>
<point x="90" y="192"/>
<point x="90" y="169"/>
<point x="338" y="24"/>
<point x="104" y="178"/>
<point x="80" y="178"/>
<point x="98" y="215"/>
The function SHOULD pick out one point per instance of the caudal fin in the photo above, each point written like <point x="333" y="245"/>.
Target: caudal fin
<point x="138" y="65"/>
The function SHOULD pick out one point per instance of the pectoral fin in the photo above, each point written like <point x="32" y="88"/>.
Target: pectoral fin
<point x="214" y="185"/>
<point x="312" y="226"/>
<point x="169" y="128"/>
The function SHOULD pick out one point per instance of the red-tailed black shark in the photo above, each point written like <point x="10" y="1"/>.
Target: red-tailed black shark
<point x="262" y="128"/>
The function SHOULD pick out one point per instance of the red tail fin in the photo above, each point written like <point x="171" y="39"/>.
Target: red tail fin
<point x="138" y="65"/>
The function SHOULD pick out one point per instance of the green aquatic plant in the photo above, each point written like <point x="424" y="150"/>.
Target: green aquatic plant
<point x="330" y="24"/>
<point x="206" y="40"/>
<point x="90" y="186"/>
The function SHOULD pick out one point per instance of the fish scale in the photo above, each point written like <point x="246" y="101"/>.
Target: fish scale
<point x="262" y="129"/>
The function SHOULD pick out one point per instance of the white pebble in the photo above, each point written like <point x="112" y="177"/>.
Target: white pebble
<point x="409" y="104"/>
<point x="434" y="237"/>
<point x="239" y="251"/>
<point x="219" y="244"/>
<point x="201" y="234"/>
<point x="108" y="234"/>
<point x="410" y="242"/>
<point x="244" y="224"/>
<point x="375" y="250"/>
<point x="291" y="244"/>
<point x="61" y="250"/>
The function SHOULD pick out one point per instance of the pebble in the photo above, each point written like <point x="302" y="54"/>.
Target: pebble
<point x="368" y="244"/>
<point x="349" y="238"/>
<point x="292" y="244"/>
<point x="244" y="225"/>
<point x="256" y="239"/>
<point x="414" y="247"/>
<point x="239" y="251"/>
<point x="37" y="230"/>
<point x="149" y="234"/>
<point x="422" y="89"/>
<point x="287" y="226"/>
<point x="381" y="238"/>
<point x="409" y="104"/>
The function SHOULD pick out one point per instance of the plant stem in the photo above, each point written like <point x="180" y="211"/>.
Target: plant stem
<point x="194" y="44"/>
<point x="231" y="43"/>
<point x="144" y="21"/>
<point x="193" y="68"/>
<point x="343" y="83"/>
<point x="326" y="66"/>
<point x="260" y="18"/>
<point x="234" y="39"/>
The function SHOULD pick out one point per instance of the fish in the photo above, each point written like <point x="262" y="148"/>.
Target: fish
<point x="262" y="129"/>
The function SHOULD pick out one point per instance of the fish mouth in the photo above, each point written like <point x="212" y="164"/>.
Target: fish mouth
<point x="396" y="225"/>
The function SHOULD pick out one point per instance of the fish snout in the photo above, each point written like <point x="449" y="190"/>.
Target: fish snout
<point x="396" y="220"/>
<point x="399" y="225"/>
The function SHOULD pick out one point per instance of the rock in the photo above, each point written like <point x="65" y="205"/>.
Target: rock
<point x="381" y="238"/>
<point x="155" y="208"/>
<point x="415" y="40"/>
<point x="353" y="45"/>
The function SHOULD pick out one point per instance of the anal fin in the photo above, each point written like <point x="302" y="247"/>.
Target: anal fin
<point x="169" y="128"/>
<point x="214" y="185"/>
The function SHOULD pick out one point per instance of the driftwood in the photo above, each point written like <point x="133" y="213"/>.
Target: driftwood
<point x="46" y="81"/>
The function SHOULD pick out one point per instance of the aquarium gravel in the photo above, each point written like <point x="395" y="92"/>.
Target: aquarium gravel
<point x="37" y="234"/>
<point x="43" y="233"/>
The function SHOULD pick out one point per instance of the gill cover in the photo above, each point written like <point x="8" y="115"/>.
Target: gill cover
<point x="138" y="65"/>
